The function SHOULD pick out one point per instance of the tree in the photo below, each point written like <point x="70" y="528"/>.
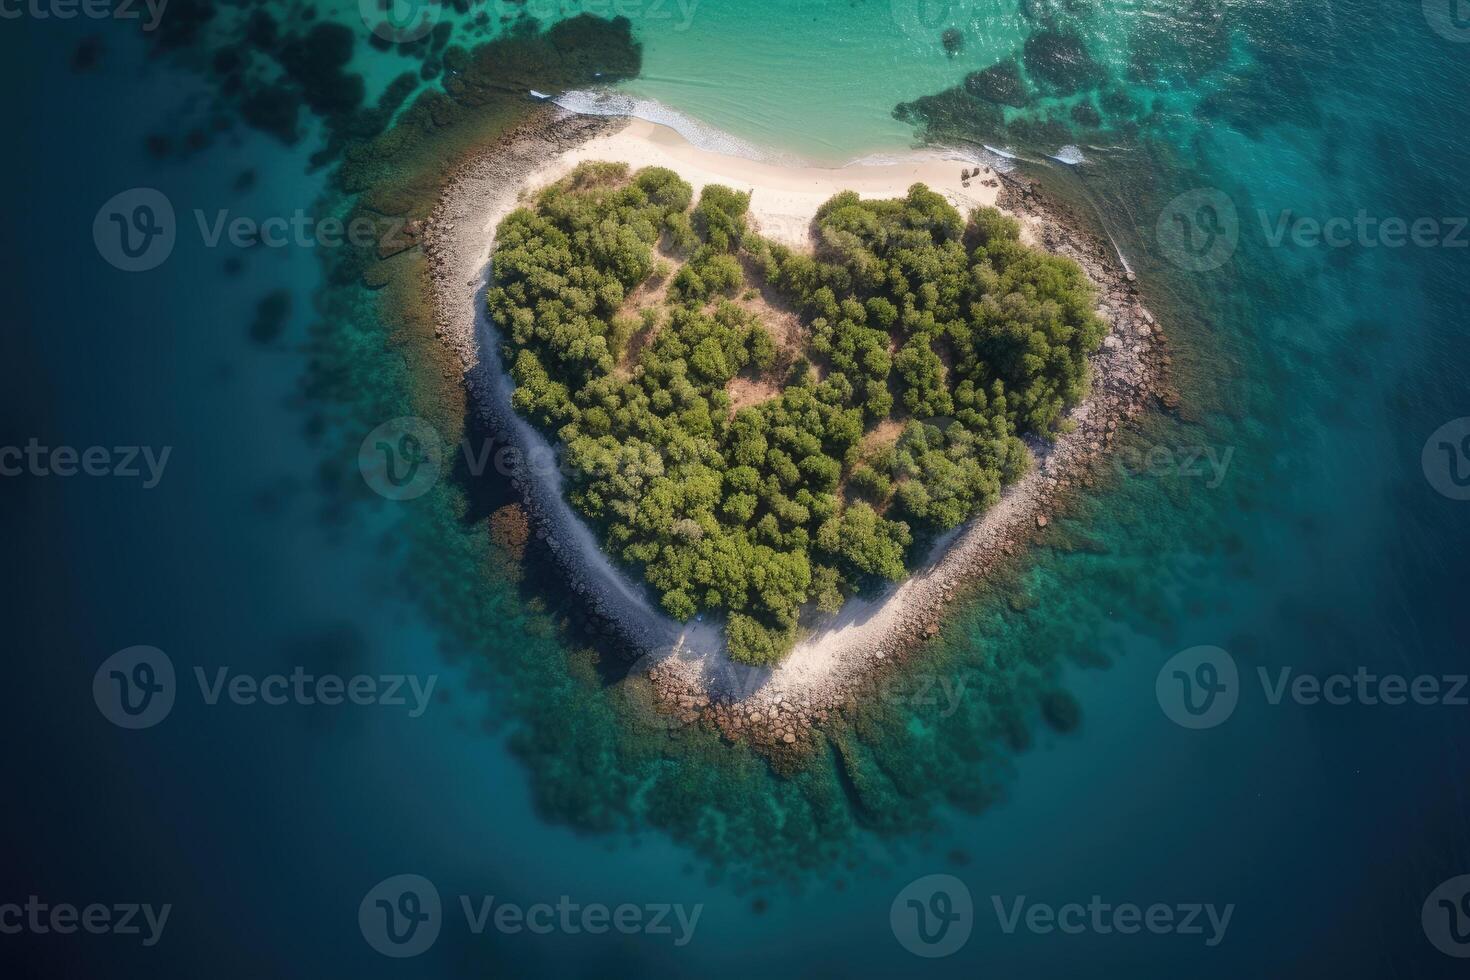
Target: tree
<point x="866" y="542"/>
<point x="747" y="513"/>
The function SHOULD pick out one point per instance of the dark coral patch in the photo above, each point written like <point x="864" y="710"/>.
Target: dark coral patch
<point x="1060" y="60"/>
<point x="1086" y="114"/>
<point x="1001" y="83"/>
<point x="87" y="53"/>
<point x="270" y="317"/>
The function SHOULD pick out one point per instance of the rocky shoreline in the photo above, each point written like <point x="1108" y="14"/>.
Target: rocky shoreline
<point x="848" y="655"/>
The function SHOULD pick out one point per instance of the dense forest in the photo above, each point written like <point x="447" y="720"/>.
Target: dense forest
<point x="760" y="471"/>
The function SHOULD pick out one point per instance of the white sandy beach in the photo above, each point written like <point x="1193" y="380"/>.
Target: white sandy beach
<point x="783" y="199"/>
<point x="690" y="658"/>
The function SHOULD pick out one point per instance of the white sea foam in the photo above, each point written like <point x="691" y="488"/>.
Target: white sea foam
<point x="1069" y="155"/>
<point x="984" y="158"/>
<point x="592" y="102"/>
<point x="601" y="103"/>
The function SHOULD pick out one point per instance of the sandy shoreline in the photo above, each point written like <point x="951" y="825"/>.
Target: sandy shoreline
<point x="692" y="677"/>
<point x="783" y="199"/>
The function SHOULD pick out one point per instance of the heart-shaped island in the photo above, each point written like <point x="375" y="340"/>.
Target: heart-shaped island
<point x="792" y="409"/>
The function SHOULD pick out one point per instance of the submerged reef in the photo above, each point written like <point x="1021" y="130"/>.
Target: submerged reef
<point x="941" y="735"/>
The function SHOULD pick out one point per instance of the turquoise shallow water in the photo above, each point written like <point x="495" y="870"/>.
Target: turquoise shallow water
<point x="1325" y="546"/>
<point x="818" y="79"/>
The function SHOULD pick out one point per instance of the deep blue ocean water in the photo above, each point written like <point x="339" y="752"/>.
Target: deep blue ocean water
<point x="1326" y="546"/>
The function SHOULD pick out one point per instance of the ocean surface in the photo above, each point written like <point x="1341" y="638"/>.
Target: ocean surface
<point x="1300" y="506"/>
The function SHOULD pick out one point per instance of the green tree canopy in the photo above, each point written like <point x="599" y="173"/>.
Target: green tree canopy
<point x="943" y="329"/>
